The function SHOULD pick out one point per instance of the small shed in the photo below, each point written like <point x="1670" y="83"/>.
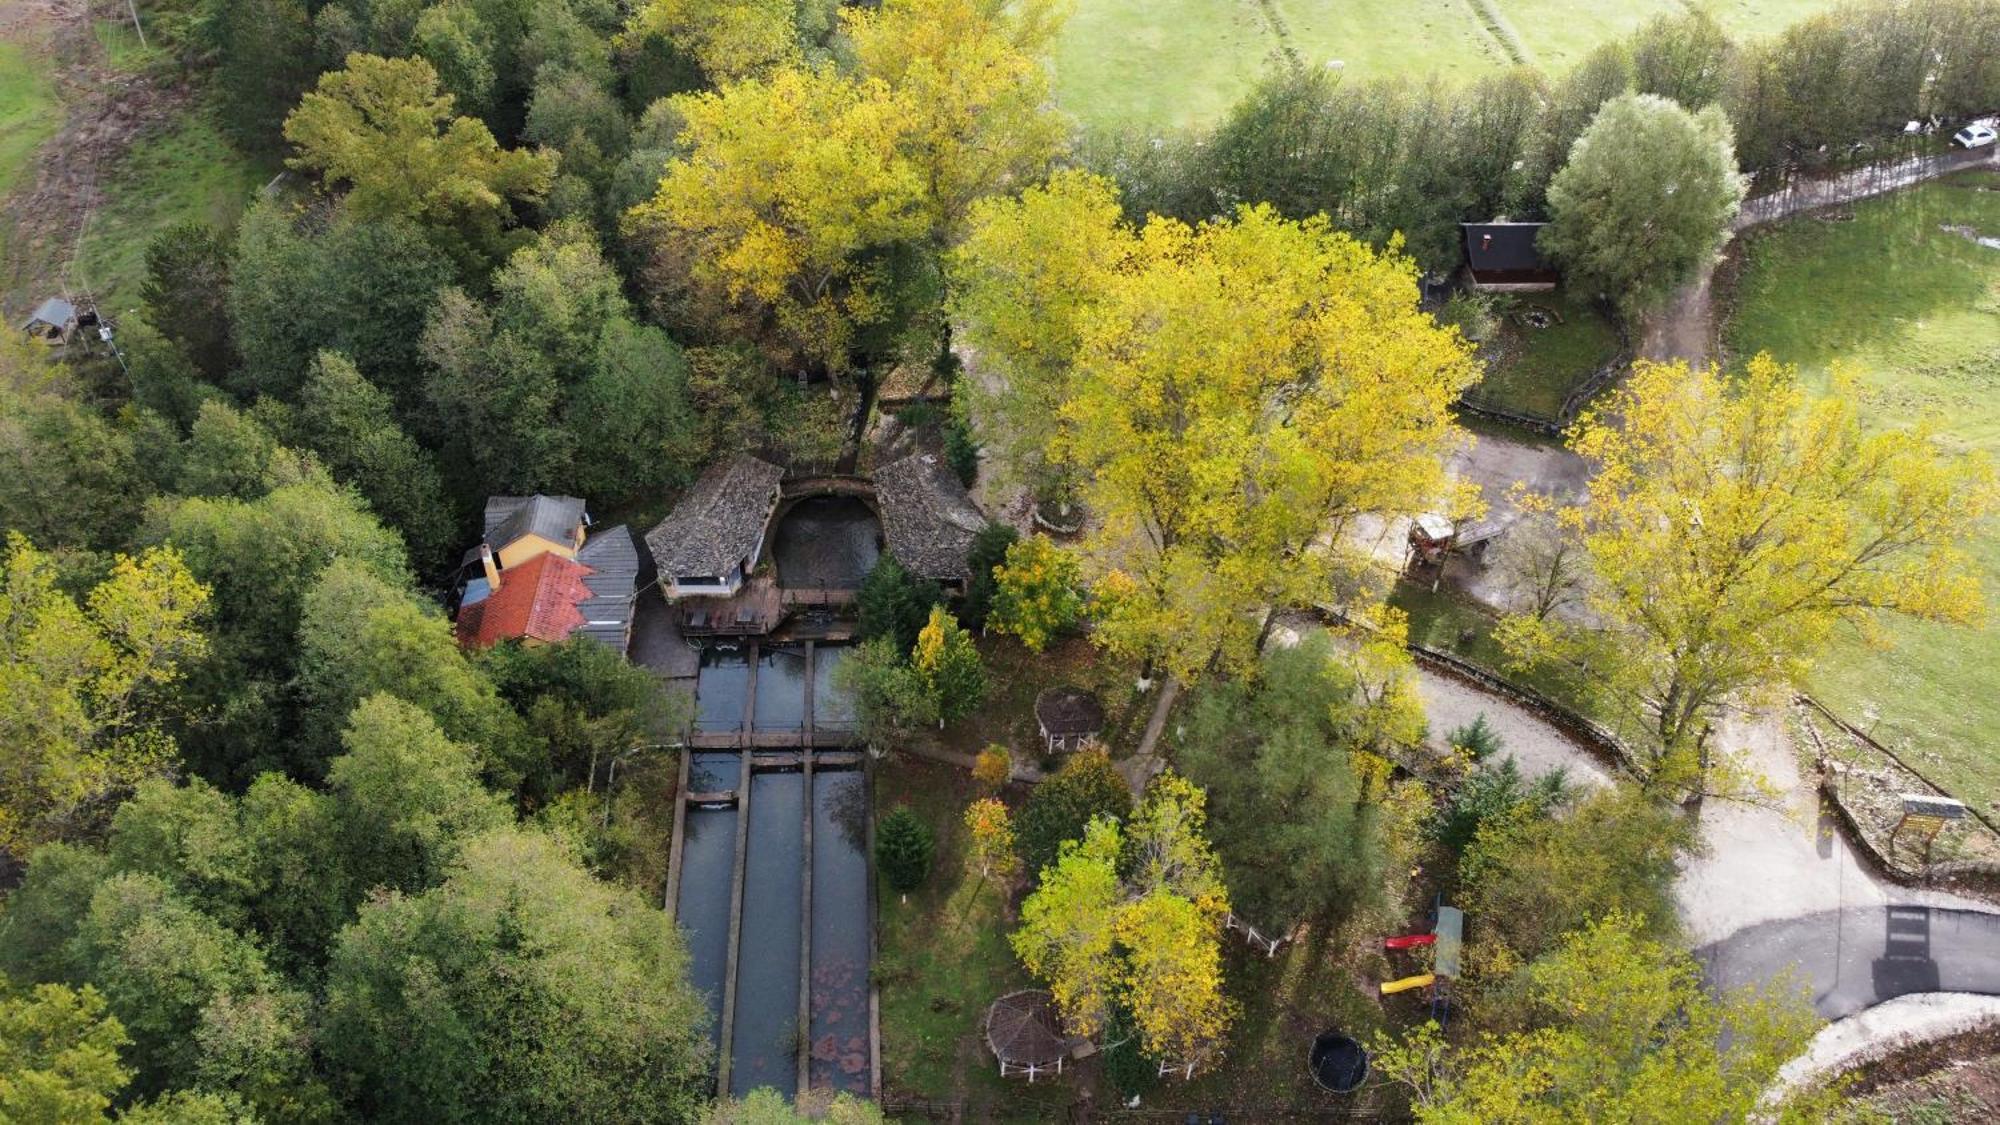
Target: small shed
<point x="54" y="322"/>
<point x="1068" y="717"/>
<point x="1505" y="258"/>
<point x="1024" y="1031"/>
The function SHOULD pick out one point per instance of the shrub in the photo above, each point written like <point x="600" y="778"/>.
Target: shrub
<point x="903" y="848"/>
<point x="1477" y="739"/>
<point x="989" y="550"/>
<point x="1489" y="795"/>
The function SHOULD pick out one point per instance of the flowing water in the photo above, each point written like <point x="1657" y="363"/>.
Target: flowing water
<point x="781" y="690"/>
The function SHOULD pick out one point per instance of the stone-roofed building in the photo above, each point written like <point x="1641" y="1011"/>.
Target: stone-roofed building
<point x="708" y="545"/>
<point x="928" y="518"/>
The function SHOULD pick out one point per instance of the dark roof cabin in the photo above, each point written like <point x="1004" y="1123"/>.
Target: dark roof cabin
<point x="1068" y="717"/>
<point x="53" y="322"/>
<point x="712" y="539"/>
<point x="1503" y="257"/>
<point x="928" y="518"/>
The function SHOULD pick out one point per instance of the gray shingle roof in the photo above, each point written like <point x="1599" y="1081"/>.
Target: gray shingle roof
<point x="54" y="311"/>
<point x="719" y="522"/>
<point x="552" y="517"/>
<point x="927" y="517"/>
<point x="613" y="559"/>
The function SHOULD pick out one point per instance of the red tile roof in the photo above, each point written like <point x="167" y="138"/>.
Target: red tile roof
<point x="537" y="599"/>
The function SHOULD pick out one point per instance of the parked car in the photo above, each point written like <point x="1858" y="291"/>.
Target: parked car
<point x="1976" y="135"/>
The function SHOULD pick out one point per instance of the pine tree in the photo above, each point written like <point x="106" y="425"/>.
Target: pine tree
<point x="903" y="847"/>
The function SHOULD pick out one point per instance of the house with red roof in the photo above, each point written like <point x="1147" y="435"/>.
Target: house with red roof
<point x="537" y="593"/>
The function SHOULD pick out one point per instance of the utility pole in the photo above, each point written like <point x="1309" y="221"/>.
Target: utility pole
<point x="133" y="7"/>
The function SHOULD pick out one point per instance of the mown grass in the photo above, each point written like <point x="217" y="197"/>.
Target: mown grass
<point x="186" y="172"/>
<point x="1180" y="62"/>
<point x="1533" y="370"/>
<point x="29" y="112"/>
<point x="1913" y="312"/>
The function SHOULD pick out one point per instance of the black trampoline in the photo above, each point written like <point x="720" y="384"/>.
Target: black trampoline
<point x="1338" y="1063"/>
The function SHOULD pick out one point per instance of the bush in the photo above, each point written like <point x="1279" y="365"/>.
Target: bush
<point x="903" y="848"/>
<point x="1477" y="739"/>
<point x="1065" y="804"/>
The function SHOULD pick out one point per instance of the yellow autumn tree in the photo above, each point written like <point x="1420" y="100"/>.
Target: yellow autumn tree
<point x="982" y="121"/>
<point x="728" y="39"/>
<point x="1734" y="524"/>
<point x="1148" y="940"/>
<point x="785" y="208"/>
<point x="1023" y="279"/>
<point x="83" y="686"/>
<point x="1037" y="592"/>
<point x="1244" y="392"/>
<point x="385" y="129"/>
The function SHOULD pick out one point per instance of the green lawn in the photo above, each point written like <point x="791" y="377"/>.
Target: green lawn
<point x="1533" y="370"/>
<point x="1914" y="312"/>
<point x="29" y="113"/>
<point x="1180" y="62"/>
<point x="187" y="172"/>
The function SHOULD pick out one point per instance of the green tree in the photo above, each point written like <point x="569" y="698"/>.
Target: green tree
<point x="161" y="964"/>
<point x="358" y="287"/>
<point x="408" y="798"/>
<point x="264" y="61"/>
<point x="67" y="476"/>
<point x="634" y="416"/>
<point x="381" y="127"/>
<point x="87" y="688"/>
<point x="44" y="912"/>
<point x="945" y="665"/>
<point x="186" y="291"/>
<point x="1644" y="201"/>
<point x="1038" y="592"/>
<point x="1614" y="1018"/>
<point x="903" y="847"/>
<point x="188" y="836"/>
<point x="988" y="550"/>
<point x="351" y="425"/>
<point x="359" y="635"/>
<point x="457" y="42"/>
<point x="894" y="603"/>
<point x="228" y="453"/>
<point x="1490" y="795"/>
<point x="1536" y="878"/>
<point x="1308" y="735"/>
<point x="729" y="39"/>
<point x="58" y="1054"/>
<point x="478" y="999"/>
<point x="1086" y="788"/>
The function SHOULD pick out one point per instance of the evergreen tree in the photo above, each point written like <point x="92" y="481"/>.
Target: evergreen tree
<point x="895" y="604"/>
<point x="903" y="847"/>
<point x="988" y="550"/>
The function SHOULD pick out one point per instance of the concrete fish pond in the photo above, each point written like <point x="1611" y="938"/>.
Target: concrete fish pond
<point x="770" y="883"/>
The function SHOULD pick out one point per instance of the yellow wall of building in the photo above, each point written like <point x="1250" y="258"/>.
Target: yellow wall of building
<point x="528" y="546"/>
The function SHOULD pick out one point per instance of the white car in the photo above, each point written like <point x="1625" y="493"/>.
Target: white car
<point x="1977" y="135"/>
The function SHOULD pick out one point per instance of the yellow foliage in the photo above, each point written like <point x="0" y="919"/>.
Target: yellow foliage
<point x="79" y="684"/>
<point x="729" y="39"/>
<point x="1735" y="524"/>
<point x="383" y="127"/>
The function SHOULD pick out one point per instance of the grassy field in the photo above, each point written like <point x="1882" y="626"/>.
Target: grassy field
<point x="1179" y="62"/>
<point x="1914" y="311"/>
<point x="188" y="172"/>
<point x="28" y="111"/>
<point x="1533" y="370"/>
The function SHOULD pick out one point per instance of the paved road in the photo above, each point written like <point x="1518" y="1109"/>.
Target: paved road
<point x="1861" y="956"/>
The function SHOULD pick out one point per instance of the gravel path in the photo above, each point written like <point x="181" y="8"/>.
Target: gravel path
<point x="1535" y="746"/>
